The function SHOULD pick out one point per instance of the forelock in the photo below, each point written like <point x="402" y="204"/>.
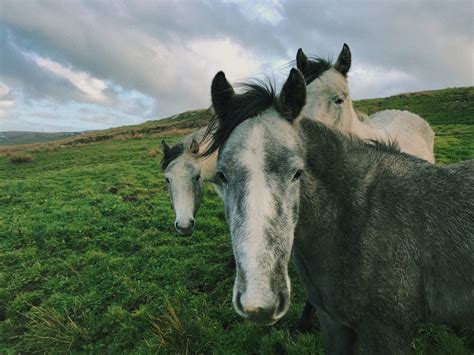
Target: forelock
<point x="315" y="68"/>
<point x="257" y="98"/>
<point x="171" y="154"/>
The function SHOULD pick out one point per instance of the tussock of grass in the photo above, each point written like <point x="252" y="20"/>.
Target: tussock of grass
<point x="182" y="331"/>
<point x="154" y="152"/>
<point x="50" y="331"/>
<point x="126" y="137"/>
<point x="437" y="340"/>
<point x="19" y="158"/>
<point x="174" y="132"/>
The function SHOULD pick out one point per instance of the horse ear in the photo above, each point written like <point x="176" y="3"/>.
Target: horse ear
<point x="221" y="93"/>
<point x="301" y="60"/>
<point x="194" y="147"/>
<point x="164" y="147"/>
<point x="293" y="95"/>
<point x="343" y="63"/>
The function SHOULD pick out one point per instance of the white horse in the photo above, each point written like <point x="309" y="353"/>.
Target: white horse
<point x="329" y="101"/>
<point x="185" y="173"/>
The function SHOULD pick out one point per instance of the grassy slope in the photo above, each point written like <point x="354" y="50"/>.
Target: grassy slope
<point x="10" y="138"/>
<point x="447" y="106"/>
<point x="89" y="260"/>
<point x="449" y="111"/>
<point x="185" y="120"/>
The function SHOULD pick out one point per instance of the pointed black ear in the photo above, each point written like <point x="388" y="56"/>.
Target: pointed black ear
<point x="293" y="95"/>
<point x="194" y="147"/>
<point x="343" y="63"/>
<point x="301" y="60"/>
<point x="164" y="147"/>
<point x="221" y="93"/>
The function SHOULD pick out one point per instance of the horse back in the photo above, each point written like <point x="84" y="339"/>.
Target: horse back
<point x="448" y="267"/>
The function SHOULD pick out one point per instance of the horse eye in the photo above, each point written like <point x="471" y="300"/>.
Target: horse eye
<point x="339" y="101"/>
<point x="197" y="177"/>
<point x="297" y="175"/>
<point x="167" y="180"/>
<point x="220" y="175"/>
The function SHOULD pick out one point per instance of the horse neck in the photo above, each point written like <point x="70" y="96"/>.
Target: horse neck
<point x="354" y="126"/>
<point x="334" y="157"/>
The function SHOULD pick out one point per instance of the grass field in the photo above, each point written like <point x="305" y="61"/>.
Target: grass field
<point x="10" y="138"/>
<point x="90" y="262"/>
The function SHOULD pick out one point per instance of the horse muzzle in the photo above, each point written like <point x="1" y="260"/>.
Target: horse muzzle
<point x="263" y="313"/>
<point x="185" y="229"/>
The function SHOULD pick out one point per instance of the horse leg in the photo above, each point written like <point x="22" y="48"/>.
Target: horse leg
<point x="338" y="339"/>
<point x="383" y="339"/>
<point x="305" y="324"/>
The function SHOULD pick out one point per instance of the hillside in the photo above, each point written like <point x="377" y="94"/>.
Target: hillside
<point x="21" y="137"/>
<point x="90" y="261"/>
<point x="447" y="106"/>
<point x="185" y="120"/>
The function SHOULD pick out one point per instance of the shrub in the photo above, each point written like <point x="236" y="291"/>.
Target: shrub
<point x="153" y="152"/>
<point x="126" y="137"/>
<point x="18" y="158"/>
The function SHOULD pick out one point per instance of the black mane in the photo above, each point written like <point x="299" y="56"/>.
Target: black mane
<point x="171" y="154"/>
<point x="311" y="127"/>
<point x="258" y="97"/>
<point x="391" y="146"/>
<point x="315" y="68"/>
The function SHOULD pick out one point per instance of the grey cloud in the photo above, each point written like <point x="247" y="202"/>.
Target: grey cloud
<point x="431" y="40"/>
<point x="21" y="72"/>
<point x="117" y="43"/>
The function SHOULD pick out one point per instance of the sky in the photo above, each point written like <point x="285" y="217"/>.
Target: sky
<point x="80" y="65"/>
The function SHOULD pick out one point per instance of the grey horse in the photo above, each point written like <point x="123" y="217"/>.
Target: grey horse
<point x="382" y="241"/>
<point x="185" y="173"/>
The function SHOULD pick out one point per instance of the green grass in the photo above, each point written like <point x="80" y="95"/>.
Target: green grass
<point x="13" y="137"/>
<point x="453" y="143"/>
<point x="83" y="268"/>
<point x="90" y="262"/>
<point x="447" y="106"/>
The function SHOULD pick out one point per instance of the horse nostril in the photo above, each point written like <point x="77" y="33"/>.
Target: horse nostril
<point x="238" y="302"/>
<point x="184" y="230"/>
<point x="192" y="222"/>
<point x="281" y="304"/>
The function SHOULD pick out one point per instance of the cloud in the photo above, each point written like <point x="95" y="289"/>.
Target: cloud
<point x="92" y="88"/>
<point x="267" y="11"/>
<point x="387" y="81"/>
<point x="7" y="100"/>
<point x="173" y="68"/>
<point x="430" y="40"/>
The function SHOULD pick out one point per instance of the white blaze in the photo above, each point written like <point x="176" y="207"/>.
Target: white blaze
<point x="182" y="193"/>
<point x="259" y="206"/>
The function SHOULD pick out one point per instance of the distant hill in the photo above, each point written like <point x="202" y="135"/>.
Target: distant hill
<point x="185" y="120"/>
<point x="14" y="137"/>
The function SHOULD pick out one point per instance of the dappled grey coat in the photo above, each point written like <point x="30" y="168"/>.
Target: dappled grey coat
<point x="384" y="241"/>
